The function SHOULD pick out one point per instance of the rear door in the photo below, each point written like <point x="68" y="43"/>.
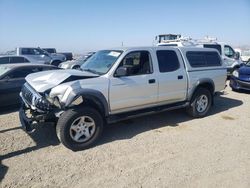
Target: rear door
<point x="172" y="76"/>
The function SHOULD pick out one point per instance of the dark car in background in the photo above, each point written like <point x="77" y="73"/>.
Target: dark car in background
<point x="240" y="79"/>
<point x="12" y="78"/>
<point x="6" y="59"/>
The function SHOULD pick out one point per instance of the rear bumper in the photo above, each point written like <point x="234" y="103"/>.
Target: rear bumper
<point x="239" y="84"/>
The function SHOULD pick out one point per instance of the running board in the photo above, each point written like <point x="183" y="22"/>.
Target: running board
<point x="147" y="111"/>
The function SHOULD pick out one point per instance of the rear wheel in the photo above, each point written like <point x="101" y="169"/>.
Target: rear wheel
<point x="200" y="103"/>
<point x="79" y="128"/>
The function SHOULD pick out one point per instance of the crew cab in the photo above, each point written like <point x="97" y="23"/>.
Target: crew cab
<point x="118" y="84"/>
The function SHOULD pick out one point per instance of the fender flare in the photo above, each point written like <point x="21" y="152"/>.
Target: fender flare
<point x="95" y="95"/>
<point x="200" y="83"/>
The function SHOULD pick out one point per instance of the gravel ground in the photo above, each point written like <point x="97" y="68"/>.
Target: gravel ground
<point x="169" y="149"/>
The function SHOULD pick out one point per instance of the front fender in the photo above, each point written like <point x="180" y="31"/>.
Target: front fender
<point x="95" y="95"/>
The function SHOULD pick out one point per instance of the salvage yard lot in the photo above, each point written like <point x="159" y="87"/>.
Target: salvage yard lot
<point x="168" y="149"/>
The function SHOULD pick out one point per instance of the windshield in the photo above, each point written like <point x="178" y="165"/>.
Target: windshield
<point x="3" y="70"/>
<point x="101" y="61"/>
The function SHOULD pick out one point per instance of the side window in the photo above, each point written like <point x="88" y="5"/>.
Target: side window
<point x="25" y="60"/>
<point x="229" y="52"/>
<point x="213" y="46"/>
<point x="203" y="59"/>
<point x="212" y="59"/>
<point x="49" y="68"/>
<point x="196" y="59"/>
<point x="137" y="63"/>
<point x="26" y="51"/>
<point x="22" y="73"/>
<point x="4" y="60"/>
<point x="16" y="59"/>
<point x="167" y="60"/>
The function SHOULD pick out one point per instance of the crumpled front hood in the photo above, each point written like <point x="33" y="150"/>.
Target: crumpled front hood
<point x="45" y="80"/>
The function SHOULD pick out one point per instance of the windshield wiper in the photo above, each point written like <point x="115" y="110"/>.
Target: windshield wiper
<point x="92" y="71"/>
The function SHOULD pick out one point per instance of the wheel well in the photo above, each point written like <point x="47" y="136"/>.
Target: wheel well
<point x="95" y="103"/>
<point x="208" y="86"/>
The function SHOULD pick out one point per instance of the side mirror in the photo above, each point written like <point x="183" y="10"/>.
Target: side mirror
<point x="121" y="71"/>
<point x="237" y="55"/>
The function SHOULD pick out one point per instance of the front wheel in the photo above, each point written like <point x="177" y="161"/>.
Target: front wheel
<point x="200" y="103"/>
<point x="79" y="128"/>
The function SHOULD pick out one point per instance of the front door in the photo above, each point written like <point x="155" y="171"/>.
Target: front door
<point x="138" y="88"/>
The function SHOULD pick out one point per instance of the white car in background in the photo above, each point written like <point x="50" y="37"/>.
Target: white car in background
<point x="245" y="55"/>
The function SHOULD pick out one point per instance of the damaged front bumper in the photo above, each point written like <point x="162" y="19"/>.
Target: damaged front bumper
<point x="29" y="118"/>
<point x="35" y="109"/>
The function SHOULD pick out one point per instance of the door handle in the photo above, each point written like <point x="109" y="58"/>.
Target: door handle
<point x="180" y="77"/>
<point x="151" y="81"/>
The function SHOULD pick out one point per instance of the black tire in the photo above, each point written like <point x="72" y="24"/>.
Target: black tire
<point x="65" y="122"/>
<point x="192" y="110"/>
<point x="56" y="63"/>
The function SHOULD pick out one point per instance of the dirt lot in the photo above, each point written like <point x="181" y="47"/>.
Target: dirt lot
<point x="168" y="149"/>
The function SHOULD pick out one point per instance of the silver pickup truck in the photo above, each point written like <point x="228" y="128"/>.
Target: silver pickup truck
<point x="37" y="55"/>
<point x="118" y="84"/>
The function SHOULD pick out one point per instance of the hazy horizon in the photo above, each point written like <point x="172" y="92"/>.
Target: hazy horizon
<point x="81" y="26"/>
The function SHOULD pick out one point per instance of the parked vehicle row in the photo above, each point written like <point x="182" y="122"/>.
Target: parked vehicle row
<point x="118" y="84"/>
<point x="41" y="56"/>
<point x="12" y="78"/>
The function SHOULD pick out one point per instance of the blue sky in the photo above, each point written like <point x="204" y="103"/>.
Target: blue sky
<point x="85" y="25"/>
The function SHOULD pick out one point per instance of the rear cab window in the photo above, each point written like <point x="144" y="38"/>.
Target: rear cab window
<point x="203" y="59"/>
